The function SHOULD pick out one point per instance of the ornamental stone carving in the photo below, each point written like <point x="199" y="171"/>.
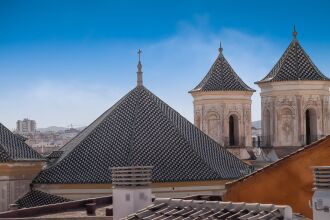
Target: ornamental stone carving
<point x="297" y="115"/>
<point x="301" y="112"/>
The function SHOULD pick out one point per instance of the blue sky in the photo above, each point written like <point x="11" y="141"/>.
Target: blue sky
<point x="66" y="62"/>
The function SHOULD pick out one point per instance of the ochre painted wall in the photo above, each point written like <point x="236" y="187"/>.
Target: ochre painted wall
<point x="287" y="182"/>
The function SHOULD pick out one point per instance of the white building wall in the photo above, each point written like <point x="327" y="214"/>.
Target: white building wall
<point x="130" y="200"/>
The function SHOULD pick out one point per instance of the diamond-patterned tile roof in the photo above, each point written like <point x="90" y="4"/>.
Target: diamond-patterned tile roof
<point x="222" y="77"/>
<point x="38" y="198"/>
<point x="295" y="64"/>
<point x="55" y="154"/>
<point x="13" y="148"/>
<point x="142" y="130"/>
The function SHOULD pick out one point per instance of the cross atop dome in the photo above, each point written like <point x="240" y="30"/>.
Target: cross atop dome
<point x="139" y="72"/>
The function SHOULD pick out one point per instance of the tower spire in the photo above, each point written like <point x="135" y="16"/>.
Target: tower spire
<point x="139" y="70"/>
<point x="294" y="33"/>
<point x="220" y="49"/>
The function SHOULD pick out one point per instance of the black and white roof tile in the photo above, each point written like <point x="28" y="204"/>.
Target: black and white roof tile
<point x="294" y="64"/>
<point x="222" y="77"/>
<point x="141" y="130"/>
<point x="13" y="148"/>
<point x="38" y="198"/>
<point x="55" y="154"/>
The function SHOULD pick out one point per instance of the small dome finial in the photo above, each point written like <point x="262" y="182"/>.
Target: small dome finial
<point x="139" y="72"/>
<point x="294" y="33"/>
<point x="220" y="48"/>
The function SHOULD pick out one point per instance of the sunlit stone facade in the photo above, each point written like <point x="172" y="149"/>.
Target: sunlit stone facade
<point x="294" y="100"/>
<point x="222" y="107"/>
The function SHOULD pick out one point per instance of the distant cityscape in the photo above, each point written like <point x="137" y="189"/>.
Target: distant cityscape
<point x="45" y="140"/>
<point x="49" y="139"/>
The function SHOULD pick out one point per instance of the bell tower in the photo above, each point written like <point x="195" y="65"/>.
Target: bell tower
<point x="222" y="107"/>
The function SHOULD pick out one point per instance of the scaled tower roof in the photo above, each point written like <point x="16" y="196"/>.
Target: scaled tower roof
<point x="142" y="130"/>
<point x="294" y="64"/>
<point x="222" y="77"/>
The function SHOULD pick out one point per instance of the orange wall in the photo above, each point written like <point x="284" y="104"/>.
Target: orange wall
<point x="287" y="182"/>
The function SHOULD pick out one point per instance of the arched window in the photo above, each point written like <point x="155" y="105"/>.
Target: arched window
<point x="266" y="129"/>
<point x="311" y="125"/>
<point x="233" y="130"/>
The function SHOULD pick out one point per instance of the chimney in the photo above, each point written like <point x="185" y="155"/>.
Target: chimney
<point x="130" y="190"/>
<point x="321" y="196"/>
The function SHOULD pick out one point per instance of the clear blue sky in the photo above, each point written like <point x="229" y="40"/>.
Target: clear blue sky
<point x="64" y="62"/>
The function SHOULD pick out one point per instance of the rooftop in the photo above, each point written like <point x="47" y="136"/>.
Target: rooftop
<point x="142" y="130"/>
<point x="38" y="198"/>
<point x="192" y="209"/>
<point x="294" y="64"/>
<point x="222" y="77"/>
<point x="13" y="147"/>
<point x="282" y="159"/>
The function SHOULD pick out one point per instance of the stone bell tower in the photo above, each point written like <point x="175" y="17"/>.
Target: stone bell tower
<point x="294" y="101"/>
<point x="222" y="107"/>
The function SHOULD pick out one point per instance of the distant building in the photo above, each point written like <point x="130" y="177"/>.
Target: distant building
<point x="256" y="137"/>
<point x="26" y="126"/>
<point x="47" y="142"/>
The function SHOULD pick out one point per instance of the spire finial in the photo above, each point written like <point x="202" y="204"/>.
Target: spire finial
<point x="139" y="72"/>
<point x="294" y="33"/>
<point x="220" y="48"/>
<point x="139" y="52"/>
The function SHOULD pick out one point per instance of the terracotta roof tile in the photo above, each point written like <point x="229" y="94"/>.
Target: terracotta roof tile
<point x="191" y="209"/>
<point x="283" y="159"/>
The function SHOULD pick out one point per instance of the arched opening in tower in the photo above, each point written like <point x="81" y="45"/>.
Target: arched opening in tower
<point x="311" y="126"/>
<point x="267" y="134"/>
<point x="233" y="131"/>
